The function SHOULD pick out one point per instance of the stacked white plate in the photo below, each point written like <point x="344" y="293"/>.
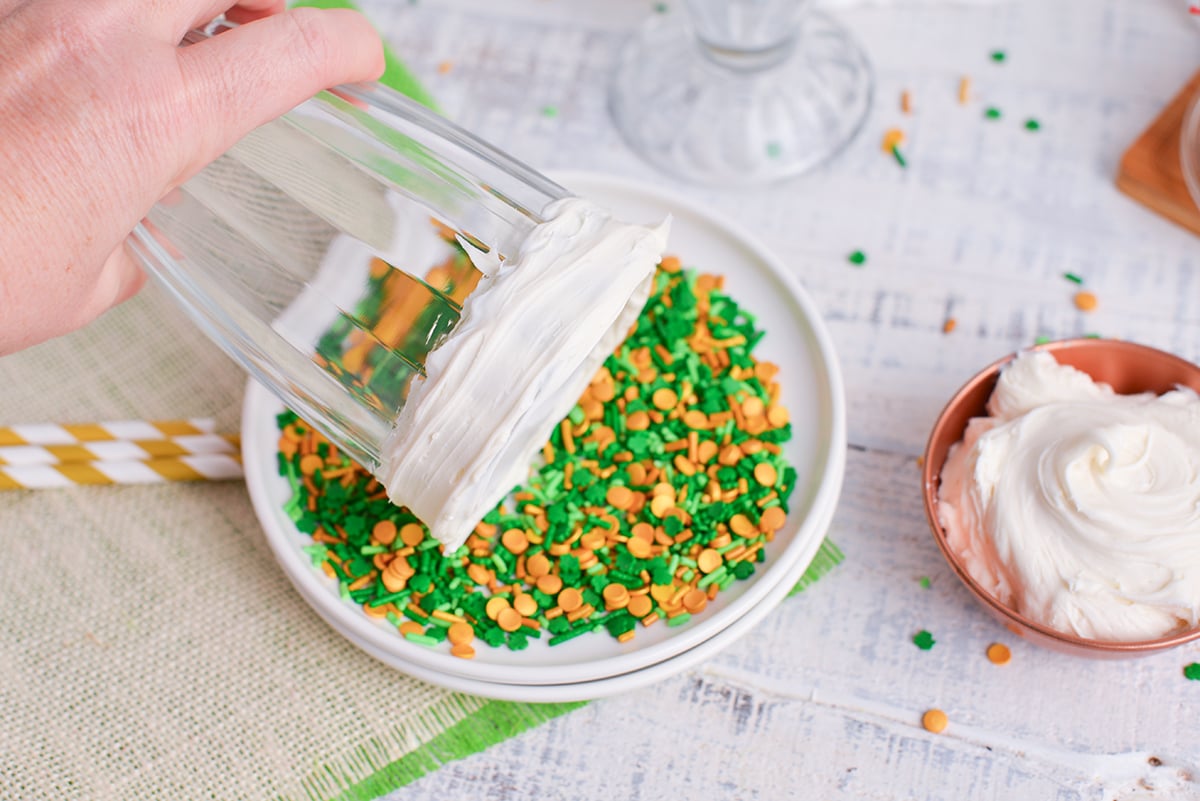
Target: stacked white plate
<point x="596" y="665"/>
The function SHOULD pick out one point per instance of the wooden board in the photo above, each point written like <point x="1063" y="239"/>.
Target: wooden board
<point x="1150" y="170"/>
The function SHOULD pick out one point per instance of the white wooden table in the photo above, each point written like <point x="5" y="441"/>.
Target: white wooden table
<point x="824" y="699"/>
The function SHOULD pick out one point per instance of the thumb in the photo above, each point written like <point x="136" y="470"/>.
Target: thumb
<point x="252" y="74"/>
<point x="120" y="278"/>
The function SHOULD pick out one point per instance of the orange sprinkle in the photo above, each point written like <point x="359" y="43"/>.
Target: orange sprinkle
<point x="509" y="619"/>
<point x="640" y="605"/>
<point x="311" y="464"/>
<point x="460" y="633"/>
<point x="663" y="399"/>
<point x="998" y="653"/>
<point x="892" y="138"/>
<point x="549" y="584"/>
<point x="619" y="496"/>
<point x="570" y="599"/>
<point x="935" y="721"/>
<point x="772" y="519"/>
<point x="444" y="67"/>
<point x="412" y="534"/>
<point x="515" y="540"/>
<point x="949" y="325"/>
<point x="1084" y="301"/>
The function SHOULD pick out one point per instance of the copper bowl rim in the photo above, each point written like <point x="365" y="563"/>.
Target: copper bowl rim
<point x="931" y="475"/>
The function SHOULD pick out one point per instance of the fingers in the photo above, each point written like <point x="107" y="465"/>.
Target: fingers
<point x="171" y="19"/>
<point x="246" y="12"/>
<point x="245" y="77"/>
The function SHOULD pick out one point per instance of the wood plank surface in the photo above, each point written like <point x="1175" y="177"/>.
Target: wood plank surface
<point x="823" y="700"/>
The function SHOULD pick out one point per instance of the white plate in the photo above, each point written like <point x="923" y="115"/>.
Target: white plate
<point x="796" y="340"/>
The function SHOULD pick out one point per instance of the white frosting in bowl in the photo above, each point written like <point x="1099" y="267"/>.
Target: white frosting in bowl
<point x="531" y="336"/>
<point x="1078" y="507"/>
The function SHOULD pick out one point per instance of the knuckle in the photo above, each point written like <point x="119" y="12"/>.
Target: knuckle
<point x="310" y="39"/>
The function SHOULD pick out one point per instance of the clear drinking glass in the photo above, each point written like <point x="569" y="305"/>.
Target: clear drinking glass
<point x="740" y="91"/>
<point x="330" y="250"/>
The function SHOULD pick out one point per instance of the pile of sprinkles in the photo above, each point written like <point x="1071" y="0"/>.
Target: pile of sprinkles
<point x="659" y="489"/>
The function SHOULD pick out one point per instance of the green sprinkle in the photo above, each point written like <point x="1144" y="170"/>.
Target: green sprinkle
<point x="899" y="157"/>
<point x="661" y="8"/>
<point x="857" y="258"/>
<point x="923" y="640"/>
<point x="679" y="619"/>
<point x="387" y="599"/>
<point x="550" y="112"/>
<point x="1042" y="340"/>
<point x="421" y="639"/>
<point x="999" y="56"/>
<point x="568" y="635"/>
<point x="1092" y="335"/>
<point x="716" y="575"/>
<point x="774" y="150"/>
<point x="1073" y="278"/>
<point x="1032" y="125"/>
<point x="992" y="113"/>
<point x="925" y="582"/>
<point x="1192" y="671"/>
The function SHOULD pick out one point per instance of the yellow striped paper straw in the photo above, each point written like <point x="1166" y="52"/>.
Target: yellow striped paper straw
<point x="199" y="467"/>
<point x="73" y="434"/>
<point x="119" y="450"/>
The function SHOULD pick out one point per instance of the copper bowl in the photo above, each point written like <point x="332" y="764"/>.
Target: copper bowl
<point x="1128" y="368"/>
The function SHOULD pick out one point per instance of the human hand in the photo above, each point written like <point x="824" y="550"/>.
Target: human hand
<point x="102" y="113"/>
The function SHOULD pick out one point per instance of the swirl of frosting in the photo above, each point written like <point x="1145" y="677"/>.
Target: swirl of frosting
<point x="1078" y="507"/>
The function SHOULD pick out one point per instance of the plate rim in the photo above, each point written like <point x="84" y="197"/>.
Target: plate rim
<point x="830" y="463"/>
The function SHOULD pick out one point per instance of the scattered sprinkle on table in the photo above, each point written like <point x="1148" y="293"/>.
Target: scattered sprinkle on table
<point x="1086" y="301"/>
<point x="999" y="56"/>
<point x="1192" y="671"/>
<point x="906" y="102"/>
<point x="1042" y="340"/>
<point x="923" y="640"/>
<point x="550" y="111"/>
<point x="896" y="154"/>
<point x="964" y="90"/>
<point x="935" y="721"/>
<point x="774" y="150"/>
<point x="949" y="325"/>
<point x="892" y="138"/>
<point x="1073" y="278"/>
<point x="661" y="8"/>
<point x="660" y="489"/>
<point x="1032" y="125"/>
<point x="925" y="582"/>
<point x="857" y="258"/>
<point x="992" y="113"/>
<point x="444" y="67"/>
<point x="999" y="654"/>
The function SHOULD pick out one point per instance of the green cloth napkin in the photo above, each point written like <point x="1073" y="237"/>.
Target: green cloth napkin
<point x="395" y="74"/>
